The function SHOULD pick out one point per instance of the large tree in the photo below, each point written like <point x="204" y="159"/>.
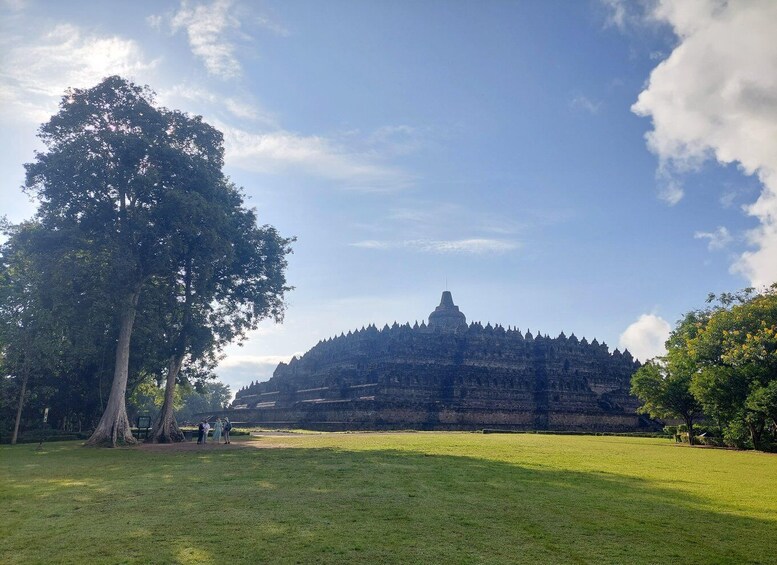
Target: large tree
<point x="119" y="180"/>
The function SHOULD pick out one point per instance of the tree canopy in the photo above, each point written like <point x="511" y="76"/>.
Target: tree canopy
<point x="722" y="359"/>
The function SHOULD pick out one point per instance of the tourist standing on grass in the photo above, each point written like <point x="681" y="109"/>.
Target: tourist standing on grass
<point x="217" y="430"/>
<point x="200" y="431"/>
<point x="227" y="428"/>
<point x="206" y="430"/>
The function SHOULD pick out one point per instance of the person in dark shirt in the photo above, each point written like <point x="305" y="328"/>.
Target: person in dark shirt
<point x="201" y="431"/>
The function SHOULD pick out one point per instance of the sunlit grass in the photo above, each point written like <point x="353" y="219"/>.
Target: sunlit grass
<point x="391" y="498"/>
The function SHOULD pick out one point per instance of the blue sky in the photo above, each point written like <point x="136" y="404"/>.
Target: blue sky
<point x="595" y="167"/>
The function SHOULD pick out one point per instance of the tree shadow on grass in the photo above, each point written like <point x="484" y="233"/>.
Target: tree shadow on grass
<point x="335" y="506"/>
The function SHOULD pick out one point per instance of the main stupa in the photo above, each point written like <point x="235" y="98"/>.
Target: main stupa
<point x="448" y="375"/>
<point x="447" y="315"/>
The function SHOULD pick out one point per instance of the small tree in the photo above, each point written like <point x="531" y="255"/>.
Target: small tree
<point x="212" y="397"/>
<point x="763" y="400"/>
<point x="29" y="328"/>
<point x="665" y="392"/>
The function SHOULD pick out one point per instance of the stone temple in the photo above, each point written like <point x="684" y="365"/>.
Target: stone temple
<point x="448" y="375"/>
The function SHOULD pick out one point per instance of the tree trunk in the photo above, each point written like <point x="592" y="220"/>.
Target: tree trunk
<point x="114" y="426"/>
<point x="756" y="430"/>
<point x="689" y="425"/>
<point x="166" y="428"/>
<point x="19" y="409"/>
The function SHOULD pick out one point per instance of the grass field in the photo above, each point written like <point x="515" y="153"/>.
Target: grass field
<point x="390" y="498"/>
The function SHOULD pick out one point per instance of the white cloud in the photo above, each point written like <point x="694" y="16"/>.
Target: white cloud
<point x="15" y="5"/>
<point x="375" y="244"/>
<point x="670" y="189"/>
<point x="715" y="97"/>
<point x="273" y="26"/>
<point x="155" y="21"/>
<point x="585" y="104"/>
<point x="424" y="216"/>
<point x="317" y="155"/>
<point x="241" y="109"/>
<point x="717" y="239"/>
<point x="398" y="139"/>
<point x="426" y="212"/>
<point x="255" y="360"/>
<point x="201" y="100"/>
<point x="624" y="14"/>
<point x="260" y="144"/>
<point x="467" y="246"/>
<point x="35" y="74"/>
<point x="645" y="338"/>
<point x="240" y="370"/>
<point x="727" y="199"/>
<point x="208" y="27"/>
<point x="617" y="14"/>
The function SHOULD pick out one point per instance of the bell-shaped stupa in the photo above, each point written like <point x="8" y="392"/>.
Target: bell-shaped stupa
<point x="447" y="316"/>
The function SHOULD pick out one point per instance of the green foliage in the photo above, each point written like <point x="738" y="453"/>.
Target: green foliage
<point x="763" y="400"/>
<point x="727" y="354"/>
<point x="31" y="324"/>
<point x="736" y="434"/>
<point x="146" y="399"/>
<point x="663" y="387"/>
<point x="212" y="397"/>
<point x="390" y="498"/>
<point x="9" y="398"/>
<point x="736" y="353"/>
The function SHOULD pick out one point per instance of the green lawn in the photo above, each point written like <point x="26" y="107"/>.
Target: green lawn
<point x="391" y="498"/>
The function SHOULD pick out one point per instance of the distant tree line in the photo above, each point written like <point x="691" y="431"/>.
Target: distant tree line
<point x="720" y="372"/>
<point x="140" y="265"/>
<point x="188" y="401"/>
